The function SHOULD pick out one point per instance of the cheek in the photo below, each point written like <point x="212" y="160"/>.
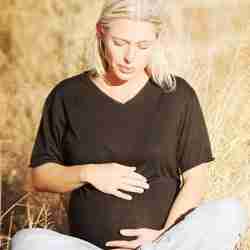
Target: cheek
<point x="116" y="55"/>
<point x="144" y="58"/>
<point x="110" y="53"/>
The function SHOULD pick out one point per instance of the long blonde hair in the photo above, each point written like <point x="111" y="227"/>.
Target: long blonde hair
<point x="144" y="10"/>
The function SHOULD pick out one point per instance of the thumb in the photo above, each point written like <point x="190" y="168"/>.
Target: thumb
<point x="130" y="232"/>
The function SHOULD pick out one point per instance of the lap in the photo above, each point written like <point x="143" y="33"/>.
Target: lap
<point x="216" y="224"/>
<point x="46" y="239"/>
<point x="213" y="220"/>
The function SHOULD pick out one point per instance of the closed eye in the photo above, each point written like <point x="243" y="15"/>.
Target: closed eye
<point x="144" y="46"/>
<point x="120" y="43"/>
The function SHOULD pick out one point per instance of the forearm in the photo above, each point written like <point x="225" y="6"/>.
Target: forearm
<point x="189" y="197"/>
<point x="52" y="177"/>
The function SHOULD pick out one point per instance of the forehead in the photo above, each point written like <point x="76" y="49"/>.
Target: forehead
<point x="132" y="29"/>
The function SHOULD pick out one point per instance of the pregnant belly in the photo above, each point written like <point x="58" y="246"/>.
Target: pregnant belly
<point x="98" y="217"/>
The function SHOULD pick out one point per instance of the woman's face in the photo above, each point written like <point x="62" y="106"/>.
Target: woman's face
<point x="128" y="46"/>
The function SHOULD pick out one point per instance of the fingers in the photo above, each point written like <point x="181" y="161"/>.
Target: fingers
<point x="126" y="168"/>
<point x="130" y="188"/>
<point x="137" y="176"/>
<point x="133" y="182"/>
<point x="121" y="249"/>
<point x="129" y="181"/>
<point x="122" y="195"/>
<point x="123" y="244"/>
<point x="130" y="171"/>
<point x="131" y="232"/>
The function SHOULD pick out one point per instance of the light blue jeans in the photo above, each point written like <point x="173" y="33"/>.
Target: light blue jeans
<point x="213" y="225"/>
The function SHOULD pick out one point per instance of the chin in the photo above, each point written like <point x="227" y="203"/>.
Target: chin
<point x="124" y="76"/>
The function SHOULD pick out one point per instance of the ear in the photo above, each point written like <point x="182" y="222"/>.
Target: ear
<point x="148" y="71"/>
<point x="99" y="30"/>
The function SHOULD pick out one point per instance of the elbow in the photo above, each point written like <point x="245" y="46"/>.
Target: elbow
<point x="198" y="180"/>
<point x="38" y="184"/>
<point x="199" y="175"/>
<point x="42" y="182"/>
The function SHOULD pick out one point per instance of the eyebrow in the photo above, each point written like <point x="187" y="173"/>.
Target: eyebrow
<point x="143" y="41"/>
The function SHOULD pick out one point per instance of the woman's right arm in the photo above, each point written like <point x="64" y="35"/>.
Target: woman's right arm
<point x="53" y="177"/>
<point x="49" y="174"/>
<point x="106" y="177"/>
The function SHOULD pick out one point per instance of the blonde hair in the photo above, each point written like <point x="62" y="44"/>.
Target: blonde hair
<point x="144" y="10"/>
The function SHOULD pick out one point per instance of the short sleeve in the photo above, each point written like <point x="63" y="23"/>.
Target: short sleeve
<point x="48" y="142"/>
<point x="194" y="145"/>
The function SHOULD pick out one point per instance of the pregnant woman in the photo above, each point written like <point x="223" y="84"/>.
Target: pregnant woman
<point x="128" y="140"/>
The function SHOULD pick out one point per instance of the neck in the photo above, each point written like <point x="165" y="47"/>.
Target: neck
<point x="111" y="80"/>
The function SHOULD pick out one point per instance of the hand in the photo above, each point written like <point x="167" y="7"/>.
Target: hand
<point x="109" y="177"/>
<point x="144" y="235"/>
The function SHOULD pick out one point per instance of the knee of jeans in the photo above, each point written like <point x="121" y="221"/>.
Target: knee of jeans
<point x="233" y="214"/>
<point x="21" y="236"/>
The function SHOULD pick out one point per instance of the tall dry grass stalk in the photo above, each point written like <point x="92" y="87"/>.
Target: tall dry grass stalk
<point x="208" y="43"/>
<point x="35" y="216"/>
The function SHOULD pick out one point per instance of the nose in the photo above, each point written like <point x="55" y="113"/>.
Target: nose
<point x="130" y="54"/>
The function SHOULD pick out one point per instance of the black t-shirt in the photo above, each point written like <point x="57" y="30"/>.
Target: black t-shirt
<point x="160" y="133"/>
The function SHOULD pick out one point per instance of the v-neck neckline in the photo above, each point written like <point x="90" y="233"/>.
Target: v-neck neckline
<point x="110" y="99"/>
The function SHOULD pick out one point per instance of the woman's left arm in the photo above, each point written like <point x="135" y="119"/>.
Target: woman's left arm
<point x="193" y="154"/>
<point x="194" y="187"/>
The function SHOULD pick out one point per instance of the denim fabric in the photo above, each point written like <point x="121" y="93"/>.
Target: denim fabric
<point x="213" y="225"/>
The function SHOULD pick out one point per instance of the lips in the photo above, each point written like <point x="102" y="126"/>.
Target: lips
<point x="127" y="70"/>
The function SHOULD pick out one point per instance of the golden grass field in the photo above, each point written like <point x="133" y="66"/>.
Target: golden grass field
<point x="42" y="42"/>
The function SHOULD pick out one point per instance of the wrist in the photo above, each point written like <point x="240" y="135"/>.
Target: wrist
<point x="159" y="233"/>
<point x="85" y="174"/>
<point x="164" y="229"/>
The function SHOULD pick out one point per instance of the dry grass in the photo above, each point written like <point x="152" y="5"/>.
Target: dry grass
<point x="26" y="212"/>
<point x="41" y="43"/>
